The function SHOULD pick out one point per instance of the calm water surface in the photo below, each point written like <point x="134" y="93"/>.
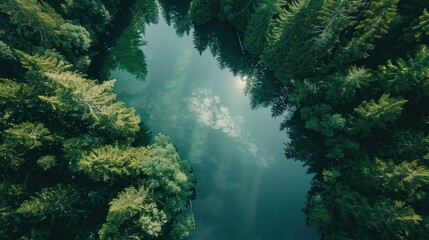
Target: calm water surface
<point x="246" y="189"/>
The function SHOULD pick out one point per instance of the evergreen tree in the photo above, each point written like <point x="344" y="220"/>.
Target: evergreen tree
<point x="36" y="19"/>
<point x="202" y="11"/>
<point x="375" y="22"/>
<point x="258" y="25"/>
<point x="407" y="78"/>
<point x="370" y="114"/>
<point x="282" y="36"/>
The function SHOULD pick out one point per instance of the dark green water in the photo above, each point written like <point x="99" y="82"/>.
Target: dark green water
<point x="246" y="189"/>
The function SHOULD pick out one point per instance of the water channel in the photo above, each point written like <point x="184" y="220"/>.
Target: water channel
<point x="246" y="188"/>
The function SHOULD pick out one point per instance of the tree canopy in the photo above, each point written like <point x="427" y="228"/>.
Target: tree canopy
<point x="76" y="162"/>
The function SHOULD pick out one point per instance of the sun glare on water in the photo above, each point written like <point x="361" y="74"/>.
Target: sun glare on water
<point x="240" y="82"/>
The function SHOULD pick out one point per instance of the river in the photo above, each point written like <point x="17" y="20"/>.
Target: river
<point x="246" y="188"/>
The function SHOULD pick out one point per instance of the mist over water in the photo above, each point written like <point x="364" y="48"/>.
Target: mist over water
<point x="246" y="188"/>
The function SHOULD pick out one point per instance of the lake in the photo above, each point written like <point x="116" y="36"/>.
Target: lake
<point x="246" y="188"/>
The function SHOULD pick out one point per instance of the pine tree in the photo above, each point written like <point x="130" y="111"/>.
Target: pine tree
<point x="109" y="163"/>
<point x="44" y="62"/>
<point x="21" y="138"/>
<point x="408" y="178"/>
<point x="168" y="181"/>
<point x="31" y="16"/>
<point x="370" y="114"/>
<point x="407" y="78"/>
<point x="423" y="25"/>
<point x="182" y="226"/>
<point x="321" y="118"/>
<point x="376" y="20"/>
<point x="341" y="88"/>
<point x="129" y="203"/>
<point x="282" y="36"/>
<point x="36" y="19"/>
<point x="258" y="25"/>
<point x="51" y="204"/>
<point x="236" y="12"/>
<point x="202" y="11"/>
<point x="94" y="102"/>
<point x="333" y="18"/>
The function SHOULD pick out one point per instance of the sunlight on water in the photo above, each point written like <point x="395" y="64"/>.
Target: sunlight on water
<point x="240" y="82"/>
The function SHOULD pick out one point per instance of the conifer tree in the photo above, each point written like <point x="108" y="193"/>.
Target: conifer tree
<point x="258" y="25"/>
<point x="407" y="78"/>
<point x="202" y="11"/>
<point x="282" y="35"/>
<point x="375" y="23"/>
<point x="36" y="19"/>
<point x="110" y="162"/>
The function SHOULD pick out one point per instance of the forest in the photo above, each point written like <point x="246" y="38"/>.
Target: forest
<point x="350" y="78"/>
<point x="75" y="162"/>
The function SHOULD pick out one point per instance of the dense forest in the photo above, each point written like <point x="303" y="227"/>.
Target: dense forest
<point x="75" y="162"/>
<point x="351" y="78"/>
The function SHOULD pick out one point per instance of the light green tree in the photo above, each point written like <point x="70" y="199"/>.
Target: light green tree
<point x="371" y="114"/>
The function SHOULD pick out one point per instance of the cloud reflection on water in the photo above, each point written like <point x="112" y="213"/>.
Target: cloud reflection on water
<point x="212" y="114"/>
<point x="209" y="112"/>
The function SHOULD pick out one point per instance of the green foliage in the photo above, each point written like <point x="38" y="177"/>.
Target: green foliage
<point x="19" y="140"/>
<point x="320" y="118"/>
<point x="110" y="162"/>
<point x="10" y="90"/>
<point x="258" y="25"/>
<point x="36" y="19"/>
<point x="8" y="220"/>
<point x="6" y="52"/>
<point x="33" y="19"/>
<point x="26" y="136"/>
<point x="126" y="53"/>
<point x="388" y="218"/>
<point x="93" y="102"/>
<point x="74" y="38"/>
<point x="92" y="14"/>
<point x="370" y="114"/>
<point x="236" y="12"/>
<point x="202" y="11"/>
<point x="316" y="43"/>
<point x="51" y="204"/>
<point x="320" y="215"/>
<point x="343" y="86"/>
<point x="157" y="201"/>
<point x="47" y="162"/>
<point x="65" y="141"/>
<point x="375" y="23"/>
<point x="182" y="226"/>
<point x="128" y="204"/>
<point x="407" y="178"/>
<point x="408" y="78"/>
<point x="44" y="62"/>
<point x="74" y="148"/>
<point x="282" y="36"/>
<point x="423" y="24"/>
